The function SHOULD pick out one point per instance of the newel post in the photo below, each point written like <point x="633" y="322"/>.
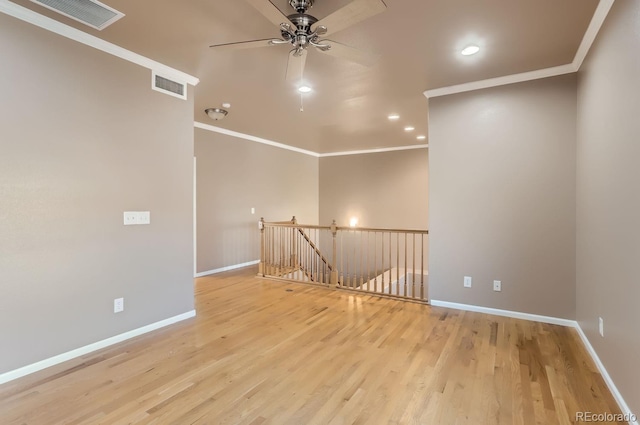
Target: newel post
<point x="261" y="264"/>
<point x="294" y="248"/>
<point x="334" y="257"/>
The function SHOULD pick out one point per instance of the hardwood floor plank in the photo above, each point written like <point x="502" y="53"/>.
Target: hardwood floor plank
<point x="268" y="352"/>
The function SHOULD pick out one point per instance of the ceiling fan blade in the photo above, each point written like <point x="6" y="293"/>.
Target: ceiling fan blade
<point x="295" y="66"/>
<point x="349" y="53"/>
<point x="351" y="14"/>
<point x="270" y="12"/>
<point x="246" y="44"/>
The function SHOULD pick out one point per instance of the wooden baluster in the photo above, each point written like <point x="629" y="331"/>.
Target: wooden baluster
<point x="315" y="255"/>
<point x="272" y="251"/>
<point x="390" y="268"/>
<point x="398" y="260"/>
<point x="368" y="269"/>
<point x="382" y="259"/>
<point x="334" y="255"/>
<point x="405" y="263"/>
<point x="422" y="268"/>
<point x="375" y="262"/>
<point x="361" y="257"/>
<point x="413" y="277"/>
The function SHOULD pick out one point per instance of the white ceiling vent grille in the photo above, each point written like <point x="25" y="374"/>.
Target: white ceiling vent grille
<point x="89" y="12"/>
<point x="169" y="86"/>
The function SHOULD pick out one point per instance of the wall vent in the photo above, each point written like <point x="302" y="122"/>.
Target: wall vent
<point x="168" y="86"/>
<point x="89" y="12"/>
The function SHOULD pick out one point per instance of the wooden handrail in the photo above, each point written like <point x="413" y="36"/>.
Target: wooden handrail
<point x="345" y="228"/>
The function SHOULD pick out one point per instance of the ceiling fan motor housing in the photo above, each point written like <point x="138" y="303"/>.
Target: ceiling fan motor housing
<point x="301" y="5"/>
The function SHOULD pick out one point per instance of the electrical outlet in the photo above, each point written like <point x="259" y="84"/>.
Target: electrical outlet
<point x="118" y="305"/>
<point x="497" y="285"/>
<point x="467" y="281"/>
<point x="601" y="326"/>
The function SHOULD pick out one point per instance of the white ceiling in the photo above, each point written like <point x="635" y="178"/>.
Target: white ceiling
<point x="418" y="42"/>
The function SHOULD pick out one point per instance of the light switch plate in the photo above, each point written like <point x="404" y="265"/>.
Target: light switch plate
<point x="144" y="217"/>
<point x="130" y="218"/>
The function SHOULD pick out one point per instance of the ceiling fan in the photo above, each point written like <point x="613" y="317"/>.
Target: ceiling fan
<point x="302" y="30"/>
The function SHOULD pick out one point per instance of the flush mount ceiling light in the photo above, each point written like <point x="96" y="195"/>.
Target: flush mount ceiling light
<point x="216" y="113"/>
<point x="470" y="50"/>
<point x="421" y="137"/>
<point x="409" y="128"/>
<point x="304" y="89"/>
<point x="393" y="117"/>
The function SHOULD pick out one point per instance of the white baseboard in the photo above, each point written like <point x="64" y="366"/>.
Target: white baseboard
<point x="505" y="313"/>
<point x="605" y="375"/>
<point x="52" y="361"/>
<point x="554" y="321"/>
<point x="227" y="268"/>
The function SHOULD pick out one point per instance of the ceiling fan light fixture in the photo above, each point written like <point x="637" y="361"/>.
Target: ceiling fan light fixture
<point x="470" y="50"/>
<point x="304" y="89"/>
<point x="409" y="128"/>
<point x="216" y="114"/>
<point x="393" y="117"/>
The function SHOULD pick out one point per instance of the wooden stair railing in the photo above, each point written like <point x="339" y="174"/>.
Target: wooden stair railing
<point x="387" y="262"/>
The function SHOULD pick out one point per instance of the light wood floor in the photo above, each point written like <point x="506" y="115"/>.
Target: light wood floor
<point x="267" y="352"/>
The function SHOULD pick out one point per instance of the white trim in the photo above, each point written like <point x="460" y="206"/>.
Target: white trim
<point x="251" y="138"/>
<point x="366" y="151"/>
<point x="604" y="6"/>
<point x="505" y="313"/>
<point x="599" y="16"/>
<point x="227" y="268"/>
<point x="501" y="81"/>
<point x="60" y="358"/>
<point x="605" y="375"/>
<point x="59" y="28"/>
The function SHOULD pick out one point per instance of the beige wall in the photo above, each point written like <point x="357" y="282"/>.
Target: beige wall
<point x="235" y="175"/>
<point x="608" y="202"/>
<point x="502" y="196"/>
<point x="387" y="189"/>
<point x="82" y="139"/>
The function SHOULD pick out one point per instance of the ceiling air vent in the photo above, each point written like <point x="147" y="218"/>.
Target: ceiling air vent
<point x="89" y="12"/>
<point x="168" y="86"/>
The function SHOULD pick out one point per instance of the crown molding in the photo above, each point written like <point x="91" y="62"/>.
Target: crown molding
<point x="501" y="81"/>
<point x="251" y="138"/>
<point x="378" y="150"/>
<point x="599" y="16"/>
<point x="34" y="18"/>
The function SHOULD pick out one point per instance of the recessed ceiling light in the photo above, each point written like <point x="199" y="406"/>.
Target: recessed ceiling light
<point x="226" y="105"/>
<point x="394" y="117"/>
<point x="304" y="89"/>
<point x="470" y="50"/>
<point x="421" y="137"/>
<point x="409" y="128"/>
